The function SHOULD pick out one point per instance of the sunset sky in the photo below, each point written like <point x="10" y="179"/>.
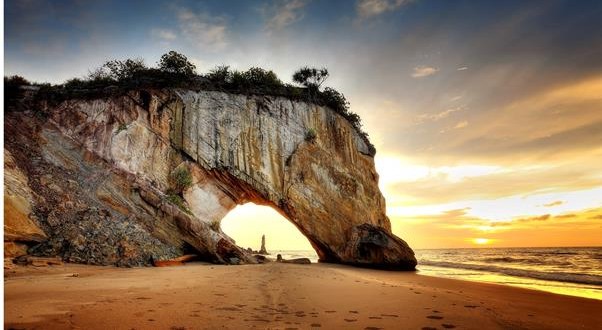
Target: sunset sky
<point x="486" y="115"/>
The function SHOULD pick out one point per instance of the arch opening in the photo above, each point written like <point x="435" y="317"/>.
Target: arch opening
<point x="246" y="224"/>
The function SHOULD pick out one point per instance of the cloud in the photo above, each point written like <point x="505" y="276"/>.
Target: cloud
<point x="424" y="71"/>
<point x="554" y="125"/>
<point x="283" y="14"/>
<point x="452" y="228"/>
<point x="526" y="219"/>
<point x="555" y="203"/>
<point x="439" y="187"/>
<point x="163" y="34"/>
<point x="202" y="30"/>
<point x="370" y="8"/>
<point x="462" y="68"/>
<point x="461" y="124"/>
<point x="436" y="116"/>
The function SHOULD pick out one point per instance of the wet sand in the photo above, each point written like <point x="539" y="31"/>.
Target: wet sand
<point x="276" y="296"/>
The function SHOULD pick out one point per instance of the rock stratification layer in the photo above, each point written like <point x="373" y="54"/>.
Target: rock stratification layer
<point x="304" y="160"/>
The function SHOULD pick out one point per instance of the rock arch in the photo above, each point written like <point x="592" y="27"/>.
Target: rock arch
<point x="241" y="149"/>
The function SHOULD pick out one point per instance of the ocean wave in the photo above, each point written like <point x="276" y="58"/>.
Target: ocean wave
<point x="527" y="261"/>
<point x="540" y="275"/>
<point x="512" y="260"/>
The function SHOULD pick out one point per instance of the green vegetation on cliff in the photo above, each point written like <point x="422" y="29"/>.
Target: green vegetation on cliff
<point x="117" y="77"/>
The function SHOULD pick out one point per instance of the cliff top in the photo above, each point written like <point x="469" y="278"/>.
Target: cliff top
<point x="117" y="77"/>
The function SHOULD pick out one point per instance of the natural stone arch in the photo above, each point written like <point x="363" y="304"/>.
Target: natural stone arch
<point x="240" y="149"/>
<point x="258" y="152"/>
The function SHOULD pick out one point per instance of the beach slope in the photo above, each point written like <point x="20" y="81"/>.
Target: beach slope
<point x="276" y="296"/>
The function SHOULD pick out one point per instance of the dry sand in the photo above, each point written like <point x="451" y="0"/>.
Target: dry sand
<point x="276" y="296"/>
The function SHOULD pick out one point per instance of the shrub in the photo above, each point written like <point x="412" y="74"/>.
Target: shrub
<point x="181" y="179"/>
<point x="119" y="70"/>
<point x="121" y="127"/>
<point x="16" y="80"/>
<point x="174" y="62"/>
<point x="260" y="77"/>
<point x="179" y="202"/>
<point x="13" y="91"/>
<point x="255" y="81"/>
<point x="334" y="100"/>
<point x="220" y="75"/>
<point x="311" y="135"/>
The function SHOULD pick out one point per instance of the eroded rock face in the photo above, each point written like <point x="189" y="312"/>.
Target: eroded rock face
<point x="238" y="149"/>
<point x="19" y="229"/>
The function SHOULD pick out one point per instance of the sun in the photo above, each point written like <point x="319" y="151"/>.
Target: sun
<point x="481" y="241"/>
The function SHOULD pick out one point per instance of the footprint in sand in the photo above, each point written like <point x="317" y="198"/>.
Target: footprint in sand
<point x="428" y="328"/>
<point x="375" y="317"/>
<point x="330" y="311"/>
<point x="151" y="320"/>
<point x="372" y="328"/>
<point x="389" y="315"/>
<point x="471" y="306"/>
<point x="448" y="326"/>
<point x="316" y="325"/>
<point x="350" y="320"/>
<point x="354" y="312"/>
<point x="434" y="317"/>
<point x="230" y="309"/>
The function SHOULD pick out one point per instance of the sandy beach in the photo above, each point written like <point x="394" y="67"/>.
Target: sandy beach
<point x="276" y="296"/>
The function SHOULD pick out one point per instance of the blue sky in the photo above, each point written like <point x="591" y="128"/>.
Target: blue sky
<point x="467" y="102"/>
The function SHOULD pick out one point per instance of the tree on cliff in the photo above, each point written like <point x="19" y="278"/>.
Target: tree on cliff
<point x="311" y="78"/>
<point x="174" y="62"/>
<point x="120" y="70"/>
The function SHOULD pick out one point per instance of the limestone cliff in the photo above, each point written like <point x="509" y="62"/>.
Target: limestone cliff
<point x="120" y="153"/>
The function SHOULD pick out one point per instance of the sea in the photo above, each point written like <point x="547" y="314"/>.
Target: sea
<point x="575" y="271"/>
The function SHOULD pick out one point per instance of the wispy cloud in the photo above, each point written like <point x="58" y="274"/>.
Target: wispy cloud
<point x="163" y="34"/>
<point x="440" y="186"/>
<point x="370" y="8"/>
<point x="462" y="68"/>
<point x="461" y="124"/>
<point x="555" y="203"/>
<point x="283" y="14"/>
<point x="424" y="71"/>
<point x="202" y="29"/>
<point x="436" y="116"/>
